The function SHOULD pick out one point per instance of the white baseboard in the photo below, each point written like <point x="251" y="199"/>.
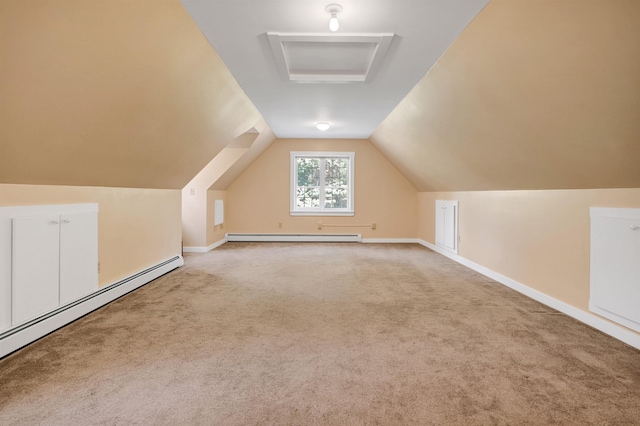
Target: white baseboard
<point x="203" y="249"/>
<point x="613" y="317"/>
<point x="15" y="338"/>
<point x="284" y="238"/>
<point x="390" y="240"/>
<point x="614" y="330"/>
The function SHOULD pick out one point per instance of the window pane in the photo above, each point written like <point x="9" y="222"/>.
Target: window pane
<point x="307" y="197"/>
<point x="335" y="198"/>
<point x="308" y="171"/>
<point x="337" y="172"/>
<point x="322" y="183"/>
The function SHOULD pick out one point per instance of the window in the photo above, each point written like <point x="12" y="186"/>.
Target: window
<point x="322" y="183"/>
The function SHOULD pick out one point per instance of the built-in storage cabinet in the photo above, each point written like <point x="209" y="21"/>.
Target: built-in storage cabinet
<point x="78" y="255"/>
<point x="35" y="266"/>
<point x="447" y="225"/>
<point x="615" y="265"/>
<point x="49" y="257"/>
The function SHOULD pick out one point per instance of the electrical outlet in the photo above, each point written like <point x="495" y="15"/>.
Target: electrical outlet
<point x="279" y="224"/>
<point x="192" y="191"/>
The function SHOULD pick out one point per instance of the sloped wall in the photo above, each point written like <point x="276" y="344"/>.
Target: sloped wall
<point x="197" y="219"/>
<point x="116" y="102"/>
<point x="195" y="198"/>
<point x="532" y="95"/>
<point x="111" y="93"/>
<point x="538" y="238"/>
<point x="215" y="233"/>
<point x="529" y="119"/>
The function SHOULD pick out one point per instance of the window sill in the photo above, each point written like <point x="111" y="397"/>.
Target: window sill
<point x="324" y="213"/>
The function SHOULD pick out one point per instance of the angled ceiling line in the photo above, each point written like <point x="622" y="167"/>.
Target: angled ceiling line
<point x="370" y="90"/>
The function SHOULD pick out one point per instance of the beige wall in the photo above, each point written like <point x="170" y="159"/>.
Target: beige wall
<point x="197" y="220"/>
<point x="534" y="94"/>
<point x="215" y="233"/>
<point x="111" y="93"/>
<point x="195" y="217"/>
<point x="137" y="228"/>
<point x="258" y="201"/>
<point x="538" y="238"/>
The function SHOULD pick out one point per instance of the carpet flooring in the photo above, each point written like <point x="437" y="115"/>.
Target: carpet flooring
<point x="331" y="334"/>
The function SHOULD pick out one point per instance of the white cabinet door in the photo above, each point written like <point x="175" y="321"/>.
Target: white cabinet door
<point x="447" y="224"/>
<point x="34" y="266"/>
<point x="450" y="227"/>
<point x="78" y="255"/>
<point x="615" y="265"/>
<point x="440" y="214"/>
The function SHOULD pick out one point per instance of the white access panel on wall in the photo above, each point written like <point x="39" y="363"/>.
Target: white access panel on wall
<point x="218" y="213"/>
<point x="34" y="266"/>
<point x="447" y="225"/>
<point x="615" y="265"/>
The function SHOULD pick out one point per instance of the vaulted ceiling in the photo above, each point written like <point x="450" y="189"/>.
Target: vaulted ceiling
<point x="531" y="94"/>
<point x="420" y="31"/>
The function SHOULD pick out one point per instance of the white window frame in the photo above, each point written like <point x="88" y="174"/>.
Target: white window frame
<point x="321" y="211"/>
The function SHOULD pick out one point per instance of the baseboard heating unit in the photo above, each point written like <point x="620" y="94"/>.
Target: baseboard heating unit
<point x="307" y="238"/>
<point x="23" y="334"/>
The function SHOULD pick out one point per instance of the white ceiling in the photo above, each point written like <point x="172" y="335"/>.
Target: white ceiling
<point x="237" y="30"/>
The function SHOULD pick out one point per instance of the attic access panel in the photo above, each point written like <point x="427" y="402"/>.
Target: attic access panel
<point x="328" y="58"/>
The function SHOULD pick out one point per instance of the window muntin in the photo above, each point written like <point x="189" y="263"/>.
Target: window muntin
<point x="322" y="183"/>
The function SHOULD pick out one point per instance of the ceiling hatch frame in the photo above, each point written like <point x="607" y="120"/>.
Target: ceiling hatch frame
<point x="355" y="46"/>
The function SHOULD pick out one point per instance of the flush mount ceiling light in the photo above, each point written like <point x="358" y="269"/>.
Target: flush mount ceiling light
<point x="333" y="10"/>
<point x="323" y="125"/>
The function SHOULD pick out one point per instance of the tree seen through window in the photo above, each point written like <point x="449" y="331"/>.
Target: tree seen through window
<point x="322" y="183"/>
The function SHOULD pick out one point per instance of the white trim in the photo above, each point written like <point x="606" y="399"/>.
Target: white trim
<point x="14" y="339"/>
<point x="619" y="213"/>
<point x="390" y="240"/>
<point x="12" y="211"/>
<point x="278" y="42"/>
<point x="612" y="316"/>
<point x="306" y="238"/>
<point x="620" y="333"/>
<point x="320" y="211"/>
<point x="204" y="249"/>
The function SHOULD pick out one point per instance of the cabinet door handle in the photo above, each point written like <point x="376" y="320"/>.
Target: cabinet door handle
<point x="54" y="222"/>
<point x="66" y="221"/>
<point x="635" y="227"/>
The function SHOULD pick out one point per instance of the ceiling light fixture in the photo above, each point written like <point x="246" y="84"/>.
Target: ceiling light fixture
<point x="333" y="10"/>
<point x="323" y="125"/>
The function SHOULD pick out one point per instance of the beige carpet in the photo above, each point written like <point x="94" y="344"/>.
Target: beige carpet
<point x="337" y="334"/>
